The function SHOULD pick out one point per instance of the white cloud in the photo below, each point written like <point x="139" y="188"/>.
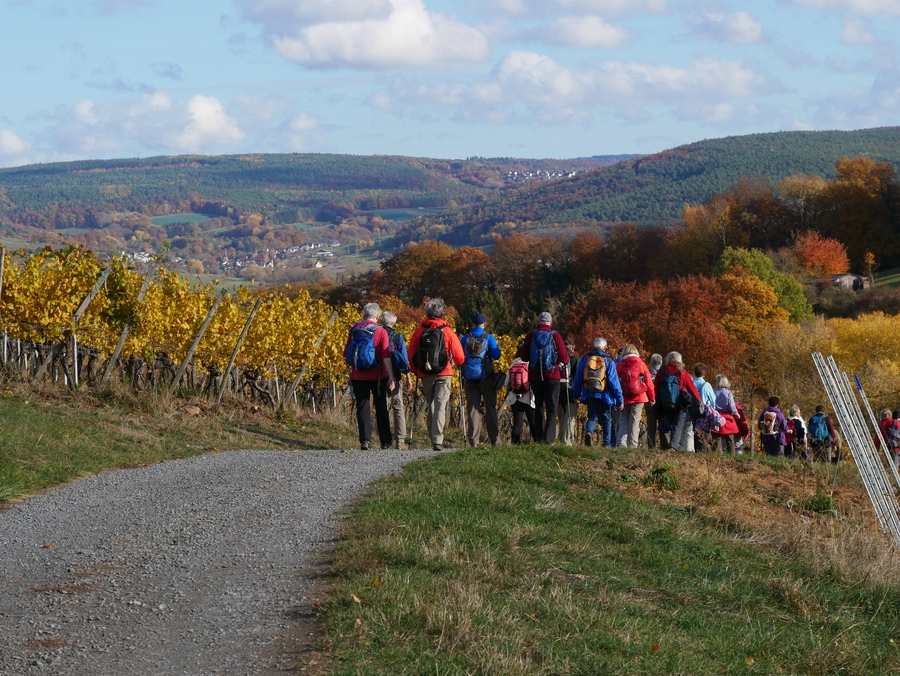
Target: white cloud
<point x="304" y="134"/>
<point x="734" y="27"/>
<point x="856" y="32"/>
<point x="209" y="126"/>
<point x="531" y="8"/>
<point x="527" y="86"/>
<point x="147" y="123"/>
<point x="14" y="150"/>
<point x="867" y="7"/>
<point x="585" y="32"/>
<point x="617" y="6"/>
<point x="366" y="34"/>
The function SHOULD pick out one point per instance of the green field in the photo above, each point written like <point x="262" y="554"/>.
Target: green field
<point x="179" y="218"/>
<point x="405" y="214"/>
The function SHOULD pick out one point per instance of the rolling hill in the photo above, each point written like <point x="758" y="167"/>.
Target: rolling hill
<point x="655" y="188"/>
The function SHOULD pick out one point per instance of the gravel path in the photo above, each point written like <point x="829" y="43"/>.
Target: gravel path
<point x="185" y="567"/>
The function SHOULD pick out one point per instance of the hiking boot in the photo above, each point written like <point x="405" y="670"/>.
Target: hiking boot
<point x="386" y="447"/>
<point x="364" y="446"/>
<point x="438" y="447"/>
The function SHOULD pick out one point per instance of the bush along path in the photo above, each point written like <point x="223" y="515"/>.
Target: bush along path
<point x="193" y="566"/>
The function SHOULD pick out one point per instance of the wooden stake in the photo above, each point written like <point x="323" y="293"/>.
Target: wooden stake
<point x="179" y="374"/>
<point x="292" y="390"/>
<point x="114" y="357"/>
<point x="237" y="348"/>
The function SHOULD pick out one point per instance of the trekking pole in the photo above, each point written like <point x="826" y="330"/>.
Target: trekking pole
<point x="412" y="423"/>
<point x="462" y="411"/>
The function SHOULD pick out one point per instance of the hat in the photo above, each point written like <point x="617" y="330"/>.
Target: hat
<point x="478" y="319"/>
<point x="545" y="318"/>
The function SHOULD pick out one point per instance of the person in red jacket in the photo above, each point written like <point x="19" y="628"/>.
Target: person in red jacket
<point x="376" y="382"/>
<point x="544" y="376"/>
<point x="637" y="390"/>
<point x="435" y="370"/>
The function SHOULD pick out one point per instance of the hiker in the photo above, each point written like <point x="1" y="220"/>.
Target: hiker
<point x="481" y="350"/>
<point x="544" y="350"/>
<point x="821" y="435"/>
<point x="597" y="386"/>
<point x="707" y="398"/>
<point x="637" y="389"/>
<point x="568" y="406"/>
<point x="795" y="437"/>
<point x="371" y="375"/>
<point x="890" y="430"/>
<point x="400" y="366"/>
<point x="772" y="427"/>
<point x="726" y="436"/>
<point x="652" y="421"/>
<point x="520" y="400"/>
<point x="675" y="392"/>
<point x="433" y="349"/>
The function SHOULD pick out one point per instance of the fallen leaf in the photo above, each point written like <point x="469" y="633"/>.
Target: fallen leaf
<point x="655" y="647"/>
<point x="49" y="545"/>
<point x="750" y="660"/>
<point x="355" y="598"/>
<point x="377" y="582"/>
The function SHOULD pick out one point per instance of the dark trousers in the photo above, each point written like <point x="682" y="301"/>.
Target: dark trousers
<point x="652" y="426"/>
<point x="772" y="444"/>
<point x="522" y="413"/>
<point x="546" y="401"/>
<point x="363" y="392"/>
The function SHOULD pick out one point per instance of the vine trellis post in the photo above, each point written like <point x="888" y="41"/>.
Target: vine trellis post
<point x="292" y="390"/>
<point x="179" y="374"/>
<point x="114" y="357"/>
<point x="237" y="348"/>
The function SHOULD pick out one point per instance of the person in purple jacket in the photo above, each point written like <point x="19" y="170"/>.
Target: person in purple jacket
<point x="772" y="428"/>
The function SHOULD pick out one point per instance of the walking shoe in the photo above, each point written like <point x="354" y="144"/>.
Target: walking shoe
<point x="385" y="447"/>
<point x="438" y="447"/>
<point x="364" y="446"/>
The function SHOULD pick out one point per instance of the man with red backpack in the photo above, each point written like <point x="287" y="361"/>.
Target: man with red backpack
<point x="544" y="350"/>
<point x="433" y="349"/>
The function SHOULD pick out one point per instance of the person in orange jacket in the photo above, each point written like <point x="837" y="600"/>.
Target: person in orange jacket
<point x="433" y="349"/>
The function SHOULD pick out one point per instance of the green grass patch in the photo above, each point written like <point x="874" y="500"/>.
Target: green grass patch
<point x="524" y="560"/>
<point x="180" y="218"/>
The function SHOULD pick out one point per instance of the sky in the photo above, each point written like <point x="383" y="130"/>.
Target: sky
<point x="98" y="79"/>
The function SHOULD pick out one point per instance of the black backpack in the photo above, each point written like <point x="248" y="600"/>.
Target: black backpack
<point x="431" y="354"/>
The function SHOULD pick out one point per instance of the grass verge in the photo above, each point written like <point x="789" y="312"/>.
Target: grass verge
<point x="544" y="560"/>
<point x="51" y="437"/>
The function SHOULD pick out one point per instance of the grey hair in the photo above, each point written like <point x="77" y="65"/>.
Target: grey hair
<point x="371" y="311"/>
<point x="656" y="359"/>
<point x="388" y="318"/>
<point x="885" y="413"/>
<point x="434" y="309"/>
<point x="795" y="410"/>
<point x="629" y="348"/>
<point x="600" y="344"/>
<point x="675" y="358"/>
<point x="722" y="382"/>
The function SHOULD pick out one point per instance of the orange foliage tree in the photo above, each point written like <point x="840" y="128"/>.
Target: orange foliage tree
<point x="683" y="314"/>
<point x="818" y="255"/>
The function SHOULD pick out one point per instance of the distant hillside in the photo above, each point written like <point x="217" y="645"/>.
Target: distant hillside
<point x="655" y="188"/>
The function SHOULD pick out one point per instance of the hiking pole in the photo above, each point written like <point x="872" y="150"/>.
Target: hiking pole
<point x="462" y="411"/>
<point x="412" y="423"/>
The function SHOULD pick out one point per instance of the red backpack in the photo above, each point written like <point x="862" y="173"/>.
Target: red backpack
<point x="518" y="378"/>
<point x="631" y="378"/>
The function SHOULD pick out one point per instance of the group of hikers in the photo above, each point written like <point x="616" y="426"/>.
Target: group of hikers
<point x="547" y="382"/>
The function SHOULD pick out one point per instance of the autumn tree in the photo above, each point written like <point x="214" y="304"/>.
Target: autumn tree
<point x="819" y="256"/>
<point x="416" y="273"/>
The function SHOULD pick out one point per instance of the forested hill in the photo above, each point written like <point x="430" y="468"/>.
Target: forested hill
<point x="655" y="188"/>
<point x="284" y="188"/>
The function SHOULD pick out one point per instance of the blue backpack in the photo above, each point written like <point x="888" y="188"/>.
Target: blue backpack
<point x="669" y="393"/>
<point x="818" y="428"/>
<point x="543" y="351"/>
<point x="361" y="351"/>
<point x="398" y="353"/>
<point x="476" y="352"/>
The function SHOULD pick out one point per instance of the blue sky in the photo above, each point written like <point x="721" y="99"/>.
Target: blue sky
<point x="526" y="78"/>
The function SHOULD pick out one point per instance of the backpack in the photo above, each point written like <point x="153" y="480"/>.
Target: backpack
<point x="818" y="428"/>
<point x="711" y="420"/>
<point x="768" y="424"/>
<point x="518" y="378"/>
<point x="401" y="365"/>
<point x="361" y="351"/>
<point x="593" y="375"/>
<point x="632" y="378"/>
<point x="791" y="434"/>
<point x="543" y="351"/>
<point x="476" y="351"/>
<point x="669" y="392"/>
<point x="431" y="355"/>
<point x="893" y="436"/>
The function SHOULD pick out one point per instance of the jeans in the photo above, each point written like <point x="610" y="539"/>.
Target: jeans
<point x="598" y="411"/>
